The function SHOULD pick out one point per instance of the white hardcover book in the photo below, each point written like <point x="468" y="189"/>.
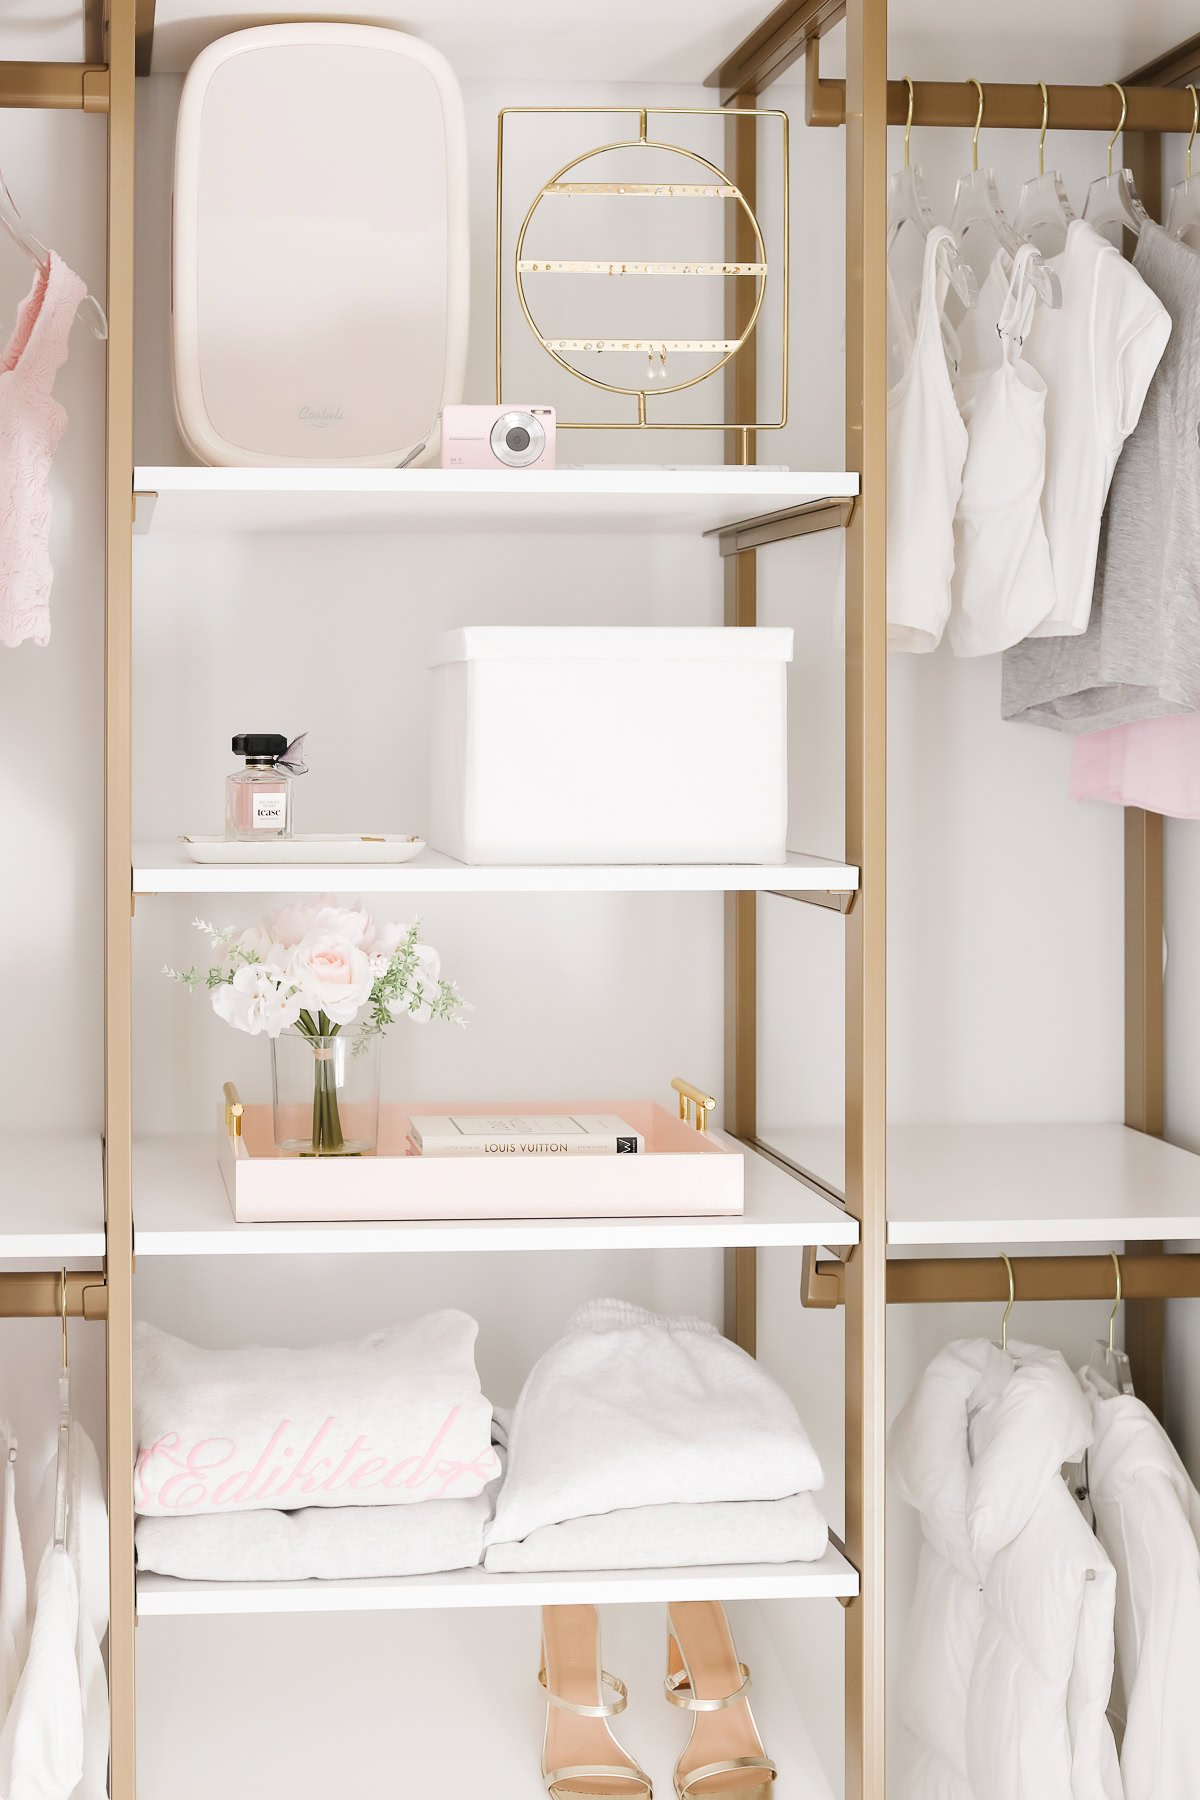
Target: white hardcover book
<point x="524" y="1134"/>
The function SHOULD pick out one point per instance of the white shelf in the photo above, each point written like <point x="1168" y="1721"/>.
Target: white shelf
<point x="181" y="499"/>
<point x="1021" y="1184"/>
<point x="181" y="1209"/>
<point x="167" y="869"/>
<point x="833" y="1577"/>
<point x="51" y="1196"/>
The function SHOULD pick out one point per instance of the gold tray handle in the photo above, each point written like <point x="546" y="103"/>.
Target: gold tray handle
<point x="694" y="1104"/>
<point x="233" y="1111"/>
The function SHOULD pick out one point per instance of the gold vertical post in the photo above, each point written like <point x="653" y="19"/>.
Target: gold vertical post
<point x="741" y="608"/>
<point x="1145" y="1320"/>
<point x="1145" y="1323"/>
<point x="145" y="35"/>
<point x="866" y="819"/>
<point x="741" y="1011"/>
<point x="117" y="880"/>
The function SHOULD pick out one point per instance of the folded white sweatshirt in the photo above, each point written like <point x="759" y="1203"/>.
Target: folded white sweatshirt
<point x="395" y="1418"/>
<point x="631" y="1410"/>
<point x="666" y="1537"/>
<point x="331" y="1543"/>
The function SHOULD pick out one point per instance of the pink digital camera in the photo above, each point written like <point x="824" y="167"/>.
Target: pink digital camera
<point x="498" y="437"/>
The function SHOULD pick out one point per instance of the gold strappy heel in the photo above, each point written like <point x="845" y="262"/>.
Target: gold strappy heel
<point x="723" y="1758"/>
<point x="581" y="1759"/>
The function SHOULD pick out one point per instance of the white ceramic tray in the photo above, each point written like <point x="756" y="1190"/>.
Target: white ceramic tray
<point x="305" y="849"/>
<point x="682" y="1172"/>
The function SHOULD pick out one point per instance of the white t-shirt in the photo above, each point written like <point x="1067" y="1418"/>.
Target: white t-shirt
<point x="1097" y="354"/>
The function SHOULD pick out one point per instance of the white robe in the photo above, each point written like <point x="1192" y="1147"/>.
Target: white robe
<point x="1148" y="1519"/>
<point x="1008" y="1666"/>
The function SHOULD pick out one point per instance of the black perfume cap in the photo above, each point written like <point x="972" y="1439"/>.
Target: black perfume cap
<point x="259" y="743"/>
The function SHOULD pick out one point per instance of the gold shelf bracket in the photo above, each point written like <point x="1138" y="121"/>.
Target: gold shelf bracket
<point x="778" y="527"/>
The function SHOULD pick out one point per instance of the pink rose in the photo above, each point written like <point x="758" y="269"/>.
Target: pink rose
<point x="333" y="975"/>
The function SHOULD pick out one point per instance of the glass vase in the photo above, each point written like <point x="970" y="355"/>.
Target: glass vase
<point x="325" y="1092"/>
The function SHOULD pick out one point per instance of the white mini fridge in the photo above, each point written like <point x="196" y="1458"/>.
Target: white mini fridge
<point x="320" y="249"/>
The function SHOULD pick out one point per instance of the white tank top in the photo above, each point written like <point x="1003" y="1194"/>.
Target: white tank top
<point x="1003" y="579"/>
<point x="927" y="445"/>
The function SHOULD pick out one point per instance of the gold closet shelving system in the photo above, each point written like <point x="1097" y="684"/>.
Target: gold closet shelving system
<point x="119" y="38"/>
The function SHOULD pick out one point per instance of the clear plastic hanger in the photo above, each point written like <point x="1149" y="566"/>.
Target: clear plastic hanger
<point x="62" y="1473"/>
<point x="909" y="221"/>
<point x="980" y="226"/>
<point x="90" y="309"/>
<point x="1114" y="199"/>
<point x="1183" y="206"/>
<point x="1012" y="1300"/>
<point x="1108" y="1367"/>
<point x="978" y="218"/>
<point x="1044" y="212"/>
<point x="908" y="206"/>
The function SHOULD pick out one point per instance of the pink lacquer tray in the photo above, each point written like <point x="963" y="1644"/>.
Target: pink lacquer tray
<point x="682" y="1172"/>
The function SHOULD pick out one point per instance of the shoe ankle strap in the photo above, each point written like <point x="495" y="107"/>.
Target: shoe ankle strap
<point x="678" y="1689"/>
<point x="605" y="1710"/>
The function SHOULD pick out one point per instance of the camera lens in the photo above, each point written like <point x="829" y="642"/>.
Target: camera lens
<point x="518" y="438"/>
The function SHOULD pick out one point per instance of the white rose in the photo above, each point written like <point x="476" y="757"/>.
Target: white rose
<point x="333" y="975"/>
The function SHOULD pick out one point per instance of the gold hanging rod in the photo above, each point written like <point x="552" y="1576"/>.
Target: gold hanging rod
<point x="1010" y="106"/>
<point x="940" y="1280"/>
<point x="61" y="87"/>
<point x="37" y="1294"/>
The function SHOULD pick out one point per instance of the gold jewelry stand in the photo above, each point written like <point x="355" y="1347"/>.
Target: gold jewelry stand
<point x="716" y="185"/>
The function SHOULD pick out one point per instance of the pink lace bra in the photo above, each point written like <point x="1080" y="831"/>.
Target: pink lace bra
<point x="31" y="424"/>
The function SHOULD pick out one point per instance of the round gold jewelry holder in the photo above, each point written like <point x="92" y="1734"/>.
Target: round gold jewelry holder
<point x="720" y="186"/>
<point x="749" y="263"/>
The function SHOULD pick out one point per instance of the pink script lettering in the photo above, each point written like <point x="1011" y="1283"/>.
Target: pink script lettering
<point x="170" y="1476"/>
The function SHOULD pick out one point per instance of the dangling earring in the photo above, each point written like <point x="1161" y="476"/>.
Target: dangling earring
<point x="650" y="365"/>
<point x="662" y="357"/>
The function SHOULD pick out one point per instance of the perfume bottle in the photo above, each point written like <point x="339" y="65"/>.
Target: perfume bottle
<point x="258" y="797"/>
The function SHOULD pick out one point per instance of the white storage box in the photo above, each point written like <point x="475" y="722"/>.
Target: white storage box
<point x="603" y="744"/>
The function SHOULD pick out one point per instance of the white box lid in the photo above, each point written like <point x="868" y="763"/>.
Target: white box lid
<point x="612" y="643"/>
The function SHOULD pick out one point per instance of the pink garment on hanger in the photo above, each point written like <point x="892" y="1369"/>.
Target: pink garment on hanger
<point x="31" y="424"/>
<point x="1151" y="763"/>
